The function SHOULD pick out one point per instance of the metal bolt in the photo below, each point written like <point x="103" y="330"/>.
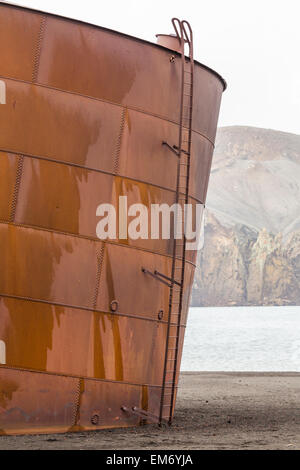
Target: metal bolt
<point x="160" y="314"/>
<point x="114" y="305"/>
<point x="172" y="59"/>
<point x="95" y="419"/>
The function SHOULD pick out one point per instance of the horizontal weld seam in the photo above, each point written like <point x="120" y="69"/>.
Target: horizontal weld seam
<point x="105" y="172"/>
<point x="102" y="100"/>
<point x="88" y="309"/>
<point x="80" y="377"/>
<point x="85" y="237"/>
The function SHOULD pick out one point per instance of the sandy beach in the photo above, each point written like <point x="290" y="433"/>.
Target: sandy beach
<point x="215" y="410"/>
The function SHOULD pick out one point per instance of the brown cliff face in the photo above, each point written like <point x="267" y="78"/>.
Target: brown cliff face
<point x="251" y="251"/>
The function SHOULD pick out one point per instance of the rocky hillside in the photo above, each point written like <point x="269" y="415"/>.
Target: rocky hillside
<point x="251" y="251"/>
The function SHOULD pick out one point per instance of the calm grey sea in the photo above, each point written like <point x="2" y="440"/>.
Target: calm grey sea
<point x="242" y="339"/>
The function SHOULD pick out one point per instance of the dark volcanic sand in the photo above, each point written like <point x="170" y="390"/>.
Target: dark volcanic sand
<point x="215" y="410"/>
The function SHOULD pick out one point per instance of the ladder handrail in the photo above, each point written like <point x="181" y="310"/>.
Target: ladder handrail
<point x="189" y="38"/>
<point x="174" y="21"/>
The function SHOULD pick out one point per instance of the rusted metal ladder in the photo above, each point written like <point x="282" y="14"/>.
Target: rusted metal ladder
<point x="183" y="151"/>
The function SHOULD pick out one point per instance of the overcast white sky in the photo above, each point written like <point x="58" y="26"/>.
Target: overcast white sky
<point x="254" y="44"/>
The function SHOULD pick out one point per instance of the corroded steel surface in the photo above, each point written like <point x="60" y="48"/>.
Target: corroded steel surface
<point x="86" y="112"/>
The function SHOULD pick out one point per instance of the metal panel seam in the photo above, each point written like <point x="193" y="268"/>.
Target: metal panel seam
<point x="88" y="309"/>
<point x="105" y="172"/>
<point x="100" y="257"/>
<point x="15" y="197"/>
<point x="72" y="376"/>
<point x="84" y="237"/>
<point x="38" y="49"/>
<point x="119" y="141"/>
<point x="113" y="103"/>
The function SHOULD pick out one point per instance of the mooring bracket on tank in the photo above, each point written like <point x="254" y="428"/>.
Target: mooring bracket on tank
<point x="160" y="277"/>
<point x="173" y="149"/>
<point x="180" y="150"/>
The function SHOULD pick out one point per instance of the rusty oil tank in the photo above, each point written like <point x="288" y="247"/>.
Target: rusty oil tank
<point x="91" y="331"/>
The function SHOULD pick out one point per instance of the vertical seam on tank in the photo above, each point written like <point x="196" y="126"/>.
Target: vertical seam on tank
<point x="119" y="142"/>
<point x="152" y="348"/>
<point x="37" y="52"/>
<point x="15" y="197"/>
<point x="100" y="257"/>
<point x="80" y="389"/>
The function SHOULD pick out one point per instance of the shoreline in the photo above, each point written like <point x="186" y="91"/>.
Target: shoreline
<point x="214" y="410"/>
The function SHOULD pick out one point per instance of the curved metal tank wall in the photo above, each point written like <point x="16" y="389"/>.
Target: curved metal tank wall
<point x="86" y="112"/>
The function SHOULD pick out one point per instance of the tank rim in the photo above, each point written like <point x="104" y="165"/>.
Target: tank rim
<point x="103" y="28"/>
